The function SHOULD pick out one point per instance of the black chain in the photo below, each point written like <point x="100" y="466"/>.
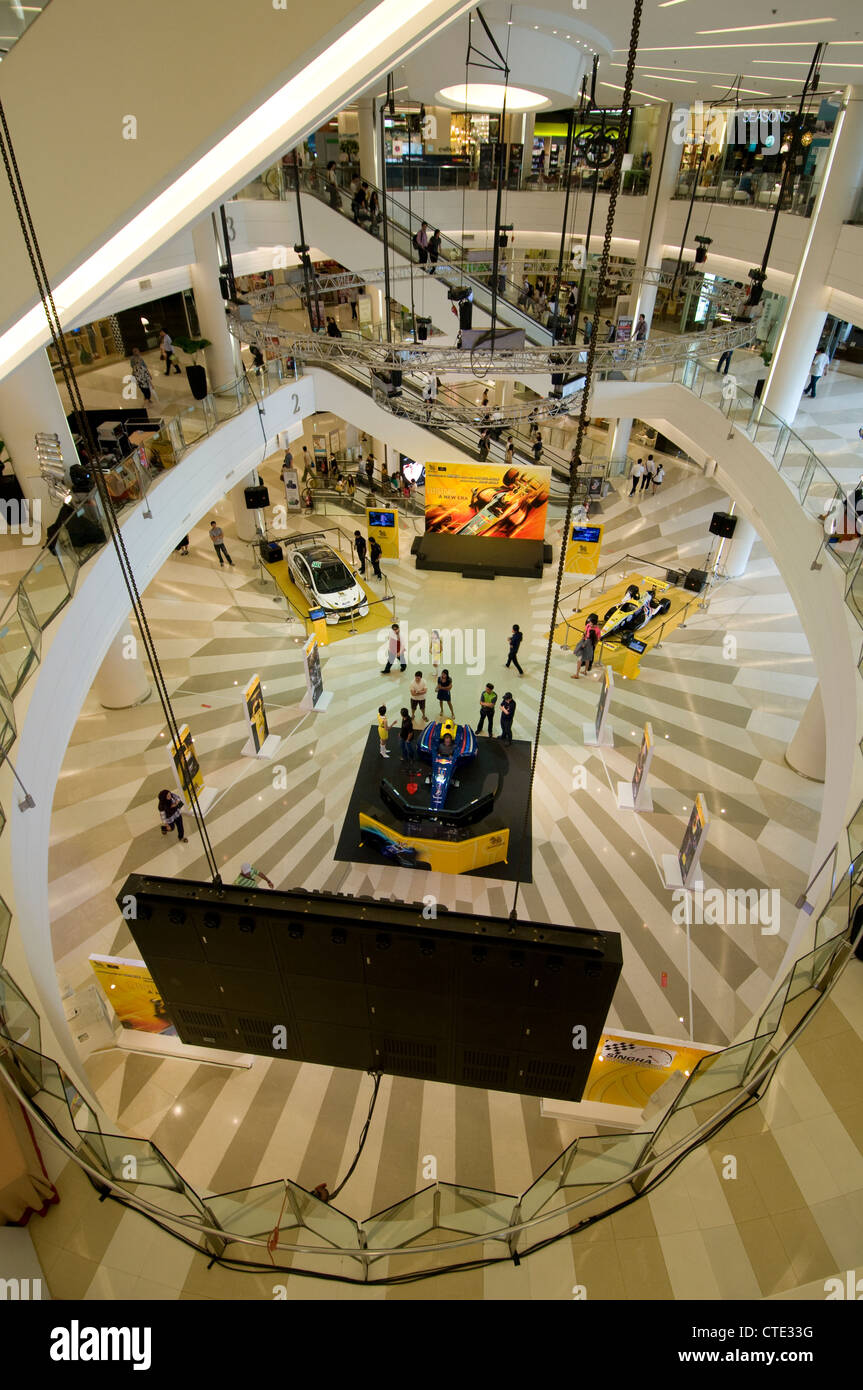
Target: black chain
<point x="46" y="295"/>
<point x="582" y="426"/>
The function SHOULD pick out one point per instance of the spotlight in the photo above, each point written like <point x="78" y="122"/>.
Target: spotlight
<point x="212" y="920"/>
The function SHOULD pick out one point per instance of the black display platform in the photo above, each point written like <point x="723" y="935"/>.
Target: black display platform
<point x="481" y="558"/>
<point x="499" y="767"/>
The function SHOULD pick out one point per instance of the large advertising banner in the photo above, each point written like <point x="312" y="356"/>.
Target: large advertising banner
<point x="186" y="765"/>
<point x="487" y="500"/>
<point x="256" y="714"/>
<point x="132" y="993"/>
<point x="582" y="553"/>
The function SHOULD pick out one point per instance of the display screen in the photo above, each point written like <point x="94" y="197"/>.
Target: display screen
<point x="633" y="644"/>
<point x="382" y="519"/>
<point x="588" y="534"/>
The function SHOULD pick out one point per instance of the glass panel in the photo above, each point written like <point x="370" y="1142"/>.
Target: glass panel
<point x="139" y="1161"/>
<point x="721" y="1072"/>
<point x="327" y="1222"/>
<point x="472" y="1211"/>
<point x="254" y="1211"/>
<point x="404" y="1222"/>
<point x="546" y="1184"/>
<point x="19" y="1022"/>
<point x="7" y="722"/>
<point x="605" y="1158"/>
<point x="46" y="587"/>
<point x="5" y="917"/>
<point x="17" y="652"/>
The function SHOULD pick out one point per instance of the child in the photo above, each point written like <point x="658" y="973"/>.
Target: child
<point x="383" y="730"/>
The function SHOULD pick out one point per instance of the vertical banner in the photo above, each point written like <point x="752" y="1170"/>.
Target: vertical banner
<point x="693" y="840"/>
<point x="314" y="675"/>
<point x="187" y="769"/>
<point x="604" y="701"/>
<point x="131" y="991"/>
<point x="642" y="766"/>
<point x="256" y="714"/>
<point x="292" y="488"/>
<point x="582" y="553"/>
<point x="384" y="526"/>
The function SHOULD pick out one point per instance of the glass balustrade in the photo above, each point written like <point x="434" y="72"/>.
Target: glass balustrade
<point x="594" y="1174"/>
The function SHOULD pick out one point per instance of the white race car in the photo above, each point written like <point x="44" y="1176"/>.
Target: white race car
<point x="325" y="580"/>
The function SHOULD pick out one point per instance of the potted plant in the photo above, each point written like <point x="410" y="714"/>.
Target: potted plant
<point x="195" y="373"/>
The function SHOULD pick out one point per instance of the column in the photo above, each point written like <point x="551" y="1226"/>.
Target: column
<point x="220" y="359"/>
<point x="246" y="521"/>
<point x="368" y="144"/>
<point x="528" y="121"/>
<point x="807" y="751"/>
<point x="29" y="404"/>
<point x="736" y="557"/>
<point x="122" y="680"/>
<point x="806" y="309"/>
<point x="618" y="451"/>
<point x="666" y="155"/>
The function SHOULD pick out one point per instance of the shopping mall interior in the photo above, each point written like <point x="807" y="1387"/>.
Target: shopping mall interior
<point x="365" y="386"/>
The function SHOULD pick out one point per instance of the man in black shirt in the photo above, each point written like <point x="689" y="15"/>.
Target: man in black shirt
<point x="514" y="644"/>
<point x="507" y="711"/>
<point x="375" y="554"/>
<point x="360" y="548"/>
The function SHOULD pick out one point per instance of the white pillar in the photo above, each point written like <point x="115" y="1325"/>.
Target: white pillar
<point x="807" y="751"/>
<point x="122" y="680"/>
<point x="244" y="519"/>
<point x="210" y="306"/>
<point x="29" y="404"/>
<point x="618" y="449"/>
<point x="736" y="557"/>
<point x="665" y="166"/>
<point x="528" y="122"/>
<point x="368" y="144"/>
<point x="806" y="309"/>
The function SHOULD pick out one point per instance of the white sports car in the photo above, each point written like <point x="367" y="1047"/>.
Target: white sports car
<point x="325" y="580"/>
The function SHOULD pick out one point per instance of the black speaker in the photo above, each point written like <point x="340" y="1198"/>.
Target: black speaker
<point x="722" y="524"/>
<point x="695" y="581"/>
<point x="674" y="576"/>
<point x="256" y="497"/>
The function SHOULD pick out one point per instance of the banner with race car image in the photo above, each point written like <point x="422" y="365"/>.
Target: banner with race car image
<point x="487" y="501"/>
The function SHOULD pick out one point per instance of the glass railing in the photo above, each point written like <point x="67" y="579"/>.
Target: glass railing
<point x="759" y="190"/>
<point x="419" y="1234"/>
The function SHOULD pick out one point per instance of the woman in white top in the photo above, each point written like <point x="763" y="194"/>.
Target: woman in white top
<point x="658" y="477"/>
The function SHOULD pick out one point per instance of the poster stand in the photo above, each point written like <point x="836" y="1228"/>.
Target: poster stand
<point x="187" y="772"/>
<point x="682" y="869"/>
<point x="635" y="795"/>
<point x="316" y="699"/>
<point x="597" y="735"/>
<point x="260" y="743"/>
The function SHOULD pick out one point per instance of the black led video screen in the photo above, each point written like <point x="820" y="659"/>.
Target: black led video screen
<point x="374" y="986"/>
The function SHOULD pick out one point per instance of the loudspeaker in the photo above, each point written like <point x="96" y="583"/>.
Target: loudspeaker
<point x="722" y="524"/>
<point x="695" y="581"/>
<point x="270" y="551"/>
<point x="256" y="497"/>
<point x="674" y="576"/>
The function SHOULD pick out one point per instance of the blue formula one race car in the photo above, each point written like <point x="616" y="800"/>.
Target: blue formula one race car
<point x="445" y="743"/>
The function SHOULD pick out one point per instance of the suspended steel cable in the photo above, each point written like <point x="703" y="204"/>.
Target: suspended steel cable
<point x="85" y="428"/>
<point x="582" y="427"/>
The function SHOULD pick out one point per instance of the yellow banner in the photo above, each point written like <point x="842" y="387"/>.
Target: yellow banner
<point x="383" y="524"/>
<point x="448" y="856"/>
<point x="186" y="764"/>
<point x="487" y="500"/>
<point x="256" y="713"/>
<point x="627" y="1069"/>
<point x="132" y="993"/>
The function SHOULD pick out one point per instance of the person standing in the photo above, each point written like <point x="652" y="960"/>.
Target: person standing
<point x="610" y="331"/>
<point x="514" y="644"/>
<point x="537" y="447"/>
<point x="484" y="401"/>
<point x="444" y="692"/>
<point x="374" y="212"/>
<point x="249" y="875"/>
<point x="287" y="461"/>
<point x="166" y="352"/>
<point x="820" y="363"/>
<point x="640" y="333"/>
<point x="360" y="549"/>
<point x="507" y="712"/>
<point x="421" y="242"/>
<point x="487" y="702"/>
<point x="434" y="249"/>
<point x="724" y="362"/>
<point x="308" y="466"/>
<point x="370" y="470"/>
<point x="586" y="649"/>
<point x="333" y="187"/>
<point x="587" y="330"/>
<point x="407" y="737"/>
<point x="510" y="451"/>
<point x="649" y="470"/>
<point x="217" y="536"/>
<point x="395" y="650"/>
<point x="375" y="554"/>
<point x="141" y="373"/>
<point x="658" y="478"/>
<point x="383" y="730"/>
<point x="419" y="690"/>
<point x="636" y="476"/>
<point x="333" y="330"/>
<point x="171" y="808"/>
<point x="436" y="648"/>
<point x="484" y="446"/>
<point x="183" y="547"/>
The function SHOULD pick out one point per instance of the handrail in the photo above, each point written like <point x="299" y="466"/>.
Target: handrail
<point x="817" y="969"/>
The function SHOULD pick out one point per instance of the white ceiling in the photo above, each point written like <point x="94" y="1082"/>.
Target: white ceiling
<point x="551" y="43"/>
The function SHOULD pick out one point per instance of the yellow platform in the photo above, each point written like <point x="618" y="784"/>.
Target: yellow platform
<point x="448" y="856"/>
<point x="614" y="654"/>
<point x="379" y="614"/>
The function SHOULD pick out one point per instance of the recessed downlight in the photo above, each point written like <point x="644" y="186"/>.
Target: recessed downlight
<point x="489" y="96"/>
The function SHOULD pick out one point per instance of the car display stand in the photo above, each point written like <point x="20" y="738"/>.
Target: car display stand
<point x="268" y="749"/>
<point x="627" y="802"/>
<point x="481" y="558"/>
<point x="323" y="703"/>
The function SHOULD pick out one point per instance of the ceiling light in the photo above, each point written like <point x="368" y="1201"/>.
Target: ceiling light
<point x="711" y="47"/>
<point x="634" y="90"/>
<point x="488" y="96"/>
<point x="750" y="28"/>
<point x="665" y="3"/>
<point x="687" y="81"/>
<point x="801" y="63"/>
<point x="750" y="91"/>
